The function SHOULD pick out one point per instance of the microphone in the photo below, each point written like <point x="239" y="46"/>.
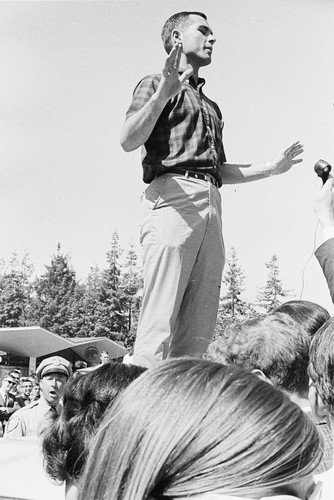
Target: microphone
<point x="322" y="169"/>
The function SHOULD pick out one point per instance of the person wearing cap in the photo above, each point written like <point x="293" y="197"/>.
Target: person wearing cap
<point x="29" y="421"/>
<point x="8" y="404"/>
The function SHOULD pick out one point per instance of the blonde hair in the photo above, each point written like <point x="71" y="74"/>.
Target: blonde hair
<point x="191" y="427"/>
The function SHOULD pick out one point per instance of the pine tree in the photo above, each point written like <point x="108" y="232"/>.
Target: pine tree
<point x="131" y="284"/>
<point x="15" y="291"/>
<point x="111" y="316"/>
<point x="55" y="295"/>
<point x="231" y="303"/>
<point x="273" y="291"/>
<point x="232" y="306"/>
<point x="86" y="305"/>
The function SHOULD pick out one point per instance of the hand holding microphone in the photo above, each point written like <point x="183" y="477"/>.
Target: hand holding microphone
<point x="324" y="195"/>
<point x="322" y="169"/>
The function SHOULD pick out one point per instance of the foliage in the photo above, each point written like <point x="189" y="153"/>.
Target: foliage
<point x="54" y="296"/>
<point x="232" y="306"/>
<point x="107" y="302"/>
<point x="15" y="290"/>
<point x="270" y="295"/>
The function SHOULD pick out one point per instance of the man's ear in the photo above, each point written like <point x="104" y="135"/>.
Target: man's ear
<point x="317" y="406"/>
<point x="261" y="375"/>
<point x="176" y="36"/>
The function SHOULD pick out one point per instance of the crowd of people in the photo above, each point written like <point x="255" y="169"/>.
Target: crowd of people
<point x="252" y="418"/>
<point x="247" y="421"/>
<point x="16" y="392"/>
<point x="247" y="415"/>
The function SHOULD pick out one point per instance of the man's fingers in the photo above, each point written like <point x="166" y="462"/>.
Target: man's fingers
<point x="187" y="73"/>
<point x="170" y="61"/>
<point x="294" y="150"/>
<point x="296" y="143"/>
<point x="178" y="56"/>
<point x="173" y="60"/>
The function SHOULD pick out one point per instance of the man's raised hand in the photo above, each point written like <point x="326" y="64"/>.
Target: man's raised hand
<point x="171" y="81"/>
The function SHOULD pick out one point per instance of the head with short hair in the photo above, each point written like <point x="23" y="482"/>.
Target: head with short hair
<point x="104" y="357"/>
<point x="16" y="376"/>
<point x="177" y="21"/>
<point x="274" y="344"/>
<point x="309" y="315"/>
<point x="7" y="384"/>
<point x="189" y="427"/>
<point x="35" y="392"/>
<point x="321" y="367"/>
<point x="66" y="442"/>
<point x="26" y="387"/>
<point x="16" y="372"/>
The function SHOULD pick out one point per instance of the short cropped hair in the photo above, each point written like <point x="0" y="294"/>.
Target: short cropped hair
<point x="189" y="427"/>
<point x="321" y="368"/>
<point x="86" y="398"/>
<point x="274" y="344"/>
<point x="309" y="315"/>
<point x="177" y="21"/>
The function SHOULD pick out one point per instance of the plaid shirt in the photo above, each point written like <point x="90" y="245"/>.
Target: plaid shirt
<point x="188" y="133"/>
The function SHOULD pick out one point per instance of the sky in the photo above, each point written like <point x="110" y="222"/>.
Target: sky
<point x="68" y="70"/>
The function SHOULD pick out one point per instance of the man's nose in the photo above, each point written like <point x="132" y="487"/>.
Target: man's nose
<point x="211" y="39"/>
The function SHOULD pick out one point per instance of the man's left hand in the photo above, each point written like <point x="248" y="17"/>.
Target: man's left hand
<point x="286" y="159"/>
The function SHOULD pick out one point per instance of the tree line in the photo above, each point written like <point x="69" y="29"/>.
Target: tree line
<point x="108" y="301"/>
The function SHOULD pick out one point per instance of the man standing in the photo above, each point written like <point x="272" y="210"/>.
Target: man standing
<point x="30" y="420"/>
<point x="7" y="402"/>
<point x="183" y="159"/>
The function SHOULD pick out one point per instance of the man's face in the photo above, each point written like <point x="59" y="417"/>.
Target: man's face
<point x="35" y="390"/>
<point x="197" y="41"/>
<point x="26" y="388"/>
<point x="7" y="385"/>
<point x="53" y="386"/>
<point x="16" y="377"/>
<point x="105" y="358"/>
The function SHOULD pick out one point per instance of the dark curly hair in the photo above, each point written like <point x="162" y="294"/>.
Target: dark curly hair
<point x="274" y="344"/>
<point x="66" y="441"/>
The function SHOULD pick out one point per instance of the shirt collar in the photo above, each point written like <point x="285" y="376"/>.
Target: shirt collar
<point x="191" y="81"/>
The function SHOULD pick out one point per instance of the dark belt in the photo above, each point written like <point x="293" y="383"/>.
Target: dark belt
<point x="189" y="173"/>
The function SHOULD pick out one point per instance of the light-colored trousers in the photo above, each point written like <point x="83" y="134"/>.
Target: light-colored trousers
<point x="183" y="260"/>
